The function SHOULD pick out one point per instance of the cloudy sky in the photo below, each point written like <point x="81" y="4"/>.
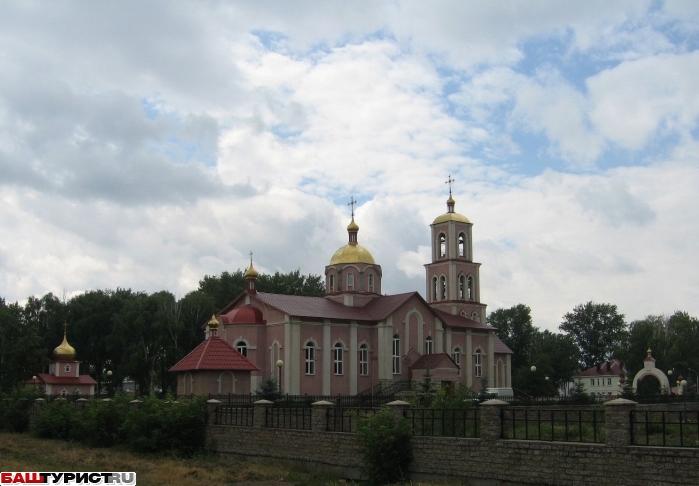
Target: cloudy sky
<point x="147" y="144"/>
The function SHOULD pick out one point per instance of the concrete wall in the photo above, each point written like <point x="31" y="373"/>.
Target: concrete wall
<point x="487" y="461"/>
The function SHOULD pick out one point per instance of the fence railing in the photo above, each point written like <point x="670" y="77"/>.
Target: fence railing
<point x="346" y="419"/>
<point x="288" y="417"/>
<point x="665" y="428"/>
<point x="563" y="425"/>
<point x="446" y="422"/>
<point x="240" y="416"/>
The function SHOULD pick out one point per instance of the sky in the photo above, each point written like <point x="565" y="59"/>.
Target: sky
<point x="144" y="145"/>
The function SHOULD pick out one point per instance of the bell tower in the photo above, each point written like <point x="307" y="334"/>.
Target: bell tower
<point x="453" y="281"/>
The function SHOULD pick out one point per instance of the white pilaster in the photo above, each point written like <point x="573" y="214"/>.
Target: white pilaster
<point x="353" y="350"/>
<point x="327" y="361"/>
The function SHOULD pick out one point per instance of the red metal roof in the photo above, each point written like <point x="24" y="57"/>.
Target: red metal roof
<point x="66" y="380"/>
<point x="501" y="348"/>
<point x="452" y="320"/>
<point x="434" y="361"/>
<point x="214" y="354"/>
<point x="612" y="367"/>
<point x="377" y="309"/>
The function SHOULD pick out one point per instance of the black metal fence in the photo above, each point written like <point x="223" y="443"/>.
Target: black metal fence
<point x="346" y="419"/>
<point x="288" y="418"/>
<point x="446" y="422"/>
<point x="240" y="416"/>
<point x="665" y="428"/>
<point x="563" y="425"/>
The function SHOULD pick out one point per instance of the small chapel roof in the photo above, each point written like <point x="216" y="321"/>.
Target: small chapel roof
<point x="66" y="380"/>
<point x="214" y="354"/>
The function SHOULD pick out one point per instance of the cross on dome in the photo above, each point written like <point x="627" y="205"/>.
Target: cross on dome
<point x="352" y="202"/>
<point x="449" y="181"/>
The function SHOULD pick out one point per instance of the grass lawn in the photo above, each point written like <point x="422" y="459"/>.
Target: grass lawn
<point x="22" y="452"/>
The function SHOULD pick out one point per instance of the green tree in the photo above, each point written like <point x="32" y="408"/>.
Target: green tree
<point x="386" y="448"/>
<point x="598" y="330"/>
<point x="648" y="333"/>
<point x="515" y="329"/>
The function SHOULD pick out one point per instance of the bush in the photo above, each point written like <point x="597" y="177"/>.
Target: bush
<point x="16" y="408"/>
<point x="156" y="426"/>
<point x="386" y="448"/>
<point x="57" y="421"/>
<point x="175" y="427"/>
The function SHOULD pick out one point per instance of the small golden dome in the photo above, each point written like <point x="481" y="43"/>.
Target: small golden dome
<point x="251" y="272"/>
<point x="65" y="351"/>
<point x="213" y="323"/>
<point x="352" y="253"/>
<point x="450" y="215"/>
<point x="352" y="226"/>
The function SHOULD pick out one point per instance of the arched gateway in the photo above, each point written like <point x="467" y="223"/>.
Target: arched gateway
<point x="649" y="369"/>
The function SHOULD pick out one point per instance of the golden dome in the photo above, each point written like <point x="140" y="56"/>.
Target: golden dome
<point x="450" y="215"/>
<point x="65" y="351"/>
<point x="213" y="323"/>
<point x="251" y="272"/>
<point x="352" y="226"/>
<point x="352" y="253"/>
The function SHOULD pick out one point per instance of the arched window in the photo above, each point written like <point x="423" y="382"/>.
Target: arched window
<point x="337" y="352"/>
<point x="478" y="358"/>
<point x="462" y="245"/>
<point x="443" y="287"/>
<point x="442" y="245"/>
<point x="64" y="393"/>
<point x="457" y="356"/>
<point x="67" y="368"/>
<point x="350" y="281"/>
<point x="371" y="282"/>
<point x="363" y="360"/>
<point x="396" y="354"/>
<point x="310" y="349"/>
<point x="469" y="290"/>
<point x="242" y="348"/>
<point x="462" y="287"/>
<point x="435" y="295"/>
<point x="474" y="316"/>
<point x="332" y="283"/>
<point x="428" y="345"/>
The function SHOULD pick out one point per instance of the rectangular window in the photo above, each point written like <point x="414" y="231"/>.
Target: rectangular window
<point x="396" y="355"/>
<point x="363" y="361"/>
<point x="479" y="364"/>
<point x="592" y="382"/>
<point x="428" y="346"/>
<point x="338" y="360"/>
<point x="310" y="360"/>
<point x="609" y="382"/>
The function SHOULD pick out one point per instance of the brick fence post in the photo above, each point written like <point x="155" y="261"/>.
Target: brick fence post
<point x="491" y="419"/>
<point x="212" y="407"/>
<point x="617" y="422"/>
<point x="80" y="403"/>
<point x="319" y="415"/>
<point x="135" y="404"/>
<point x="397" y="408"/>
<point x="37" y="407"/>
<point x="259" y="418"/>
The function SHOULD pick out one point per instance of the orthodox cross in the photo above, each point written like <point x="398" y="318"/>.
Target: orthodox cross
<point x="352" y="203"/>
<point x="449" y="181"/>
<point x="251" y="258"/>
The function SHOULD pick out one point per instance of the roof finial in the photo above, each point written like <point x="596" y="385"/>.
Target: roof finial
<point x="352" y="203"/>
<point x="449" y="181"/>
<point x="251" y="258"/>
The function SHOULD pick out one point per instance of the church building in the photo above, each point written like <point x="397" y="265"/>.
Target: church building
<point x="64" y="376"/>
<point x="356" y="340"/>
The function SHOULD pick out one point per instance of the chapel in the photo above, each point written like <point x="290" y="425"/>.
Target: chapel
<point x="356" y="340"/>
<point x="64" y="376"/>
